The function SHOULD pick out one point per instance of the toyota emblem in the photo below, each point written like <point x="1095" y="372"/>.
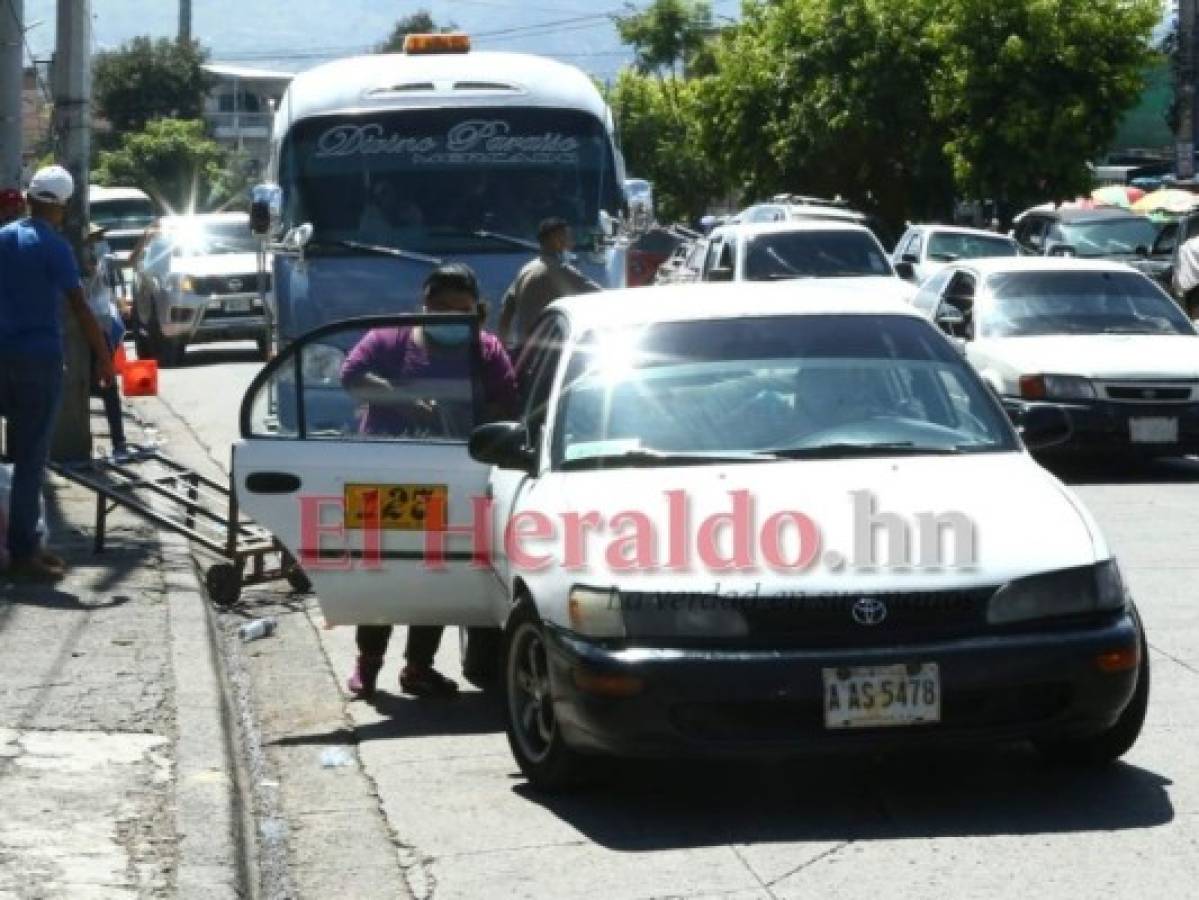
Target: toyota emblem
<point x="235" y="284"/>
<point x="869" y="611"/>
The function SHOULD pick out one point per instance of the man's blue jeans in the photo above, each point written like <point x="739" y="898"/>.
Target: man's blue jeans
<point x="30" y="392"/>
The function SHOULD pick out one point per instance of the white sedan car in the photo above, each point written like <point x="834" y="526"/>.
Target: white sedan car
<point x="1097" y="340"/>
<point x="740" y="519"/>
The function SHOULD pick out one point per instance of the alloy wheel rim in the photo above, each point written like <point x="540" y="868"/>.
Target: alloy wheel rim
<point x="530" y="706"/>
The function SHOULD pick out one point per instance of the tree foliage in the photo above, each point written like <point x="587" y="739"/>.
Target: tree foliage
<point x="668" y="35"/>
<point x="145" y="80"/>
<point x="419" y="22"/>
<point x="898" y="105"/>
<point x="176" y="163"/>
<point x="660" y="122"/>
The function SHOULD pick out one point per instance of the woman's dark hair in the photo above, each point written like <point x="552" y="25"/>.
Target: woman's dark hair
<point x="451" y="277"/>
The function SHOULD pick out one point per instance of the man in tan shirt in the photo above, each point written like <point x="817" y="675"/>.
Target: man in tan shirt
<point x="541" y="282"/>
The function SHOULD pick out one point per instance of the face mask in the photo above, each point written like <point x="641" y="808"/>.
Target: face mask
<point x="447" y="335"/>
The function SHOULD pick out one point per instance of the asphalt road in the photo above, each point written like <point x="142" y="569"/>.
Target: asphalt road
<point x="972" y="823"/>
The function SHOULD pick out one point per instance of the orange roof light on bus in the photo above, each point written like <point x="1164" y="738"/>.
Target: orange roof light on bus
<point x="417" y="44"/>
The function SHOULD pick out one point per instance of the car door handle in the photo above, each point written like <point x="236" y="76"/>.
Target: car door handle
<point x="272" y="483"/>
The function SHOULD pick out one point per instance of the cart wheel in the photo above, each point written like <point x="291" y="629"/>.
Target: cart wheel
<point x="224" y="584"/>
<point x="296" y="577"/>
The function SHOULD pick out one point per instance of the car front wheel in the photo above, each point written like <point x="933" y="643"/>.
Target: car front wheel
<point x="533" y="731"/>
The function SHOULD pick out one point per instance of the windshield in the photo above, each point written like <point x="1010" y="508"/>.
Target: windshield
<point x="122" y="215"/>
<point x="1029" y="303"/>
<point x="200" y="238"/>
<point x="427" y="180"/>
<point x="1112" y="236"/>
<point x="781" y="386"/>
<point x="813" y="254"/>
<point x="947" y="246"/>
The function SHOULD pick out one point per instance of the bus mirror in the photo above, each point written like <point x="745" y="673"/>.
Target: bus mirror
<point x="266" y="206"/>
<point x="609" y="225"/>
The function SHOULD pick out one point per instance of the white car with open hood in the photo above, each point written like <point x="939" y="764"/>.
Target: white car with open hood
<point x="1097" y="340"/>
<point x="739" y="519"/>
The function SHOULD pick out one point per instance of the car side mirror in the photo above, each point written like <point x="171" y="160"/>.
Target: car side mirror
<point x="504" y="445"/>
<point x="905" y="270"/>
<point x="266" y="209"/>
<point x="720" y="273"/>
<point x="1042" y="427"/>
<point x="950" y="319"/>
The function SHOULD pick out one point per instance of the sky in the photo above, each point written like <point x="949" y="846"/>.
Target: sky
<point x="297" y="34"/>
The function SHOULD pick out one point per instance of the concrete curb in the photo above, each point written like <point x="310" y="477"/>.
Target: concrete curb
<point x="208" y="809"/>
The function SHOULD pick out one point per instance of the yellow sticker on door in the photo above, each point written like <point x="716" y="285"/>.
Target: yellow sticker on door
<point x="394" y="507"/>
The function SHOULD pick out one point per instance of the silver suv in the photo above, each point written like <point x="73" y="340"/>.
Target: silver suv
<point x="196" y="281"/>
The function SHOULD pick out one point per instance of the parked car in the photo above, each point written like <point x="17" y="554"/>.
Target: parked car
<point x="651" y="249"/>
<point x="925" y="249"/>
<point x="196" y="281"/>
<point x="1101" y="233"/>
<point x="125" y="213"/>
<point x="799" y="249"/>
<point x="806" y="396"/>
<point x="793" y="207"/>
<point x="1095" y="339"/>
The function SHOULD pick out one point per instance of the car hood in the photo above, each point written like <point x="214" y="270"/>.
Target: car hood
<point x="217" y="264"/>
<point x="1098" y="355"/>
<point x="1023" y="521"/>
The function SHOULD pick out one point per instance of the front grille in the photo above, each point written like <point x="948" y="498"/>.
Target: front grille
<point x="212" y="285"/>
<point x="1151" y="391"/>
<point x="822" y="621"/>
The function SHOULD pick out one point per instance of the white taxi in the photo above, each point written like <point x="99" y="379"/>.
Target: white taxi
<point x="739" y="519"/>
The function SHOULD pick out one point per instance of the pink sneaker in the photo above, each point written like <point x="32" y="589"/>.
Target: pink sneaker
<point x="366" y="673"/>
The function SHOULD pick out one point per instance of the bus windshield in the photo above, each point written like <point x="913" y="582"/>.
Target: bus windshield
<point x="446" y="181"/>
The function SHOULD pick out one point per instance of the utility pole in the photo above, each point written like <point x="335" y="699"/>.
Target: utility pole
<point x="1184" y="91"/>
<point x="72" y="127"/>
<point x="185" y="21"/>
<point x="12" y="43"/>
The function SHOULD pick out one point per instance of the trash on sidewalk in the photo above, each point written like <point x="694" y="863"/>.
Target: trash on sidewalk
<point x="257" y="629"/>
<point x="336" y="757"/>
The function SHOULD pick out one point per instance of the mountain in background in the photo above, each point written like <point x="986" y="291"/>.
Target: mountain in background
<point x="298" y="34"/>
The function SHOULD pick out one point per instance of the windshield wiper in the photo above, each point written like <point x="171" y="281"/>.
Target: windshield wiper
<point x="846" y="449"/>
<point x="377" y="249"/>
<point x="636" y="459"/>
<point x="484" y="235"/>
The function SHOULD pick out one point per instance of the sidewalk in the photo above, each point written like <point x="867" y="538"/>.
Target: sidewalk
<point x="114" y="769"/>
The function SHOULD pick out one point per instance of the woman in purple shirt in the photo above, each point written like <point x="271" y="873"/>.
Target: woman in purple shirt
<point x="381" y="366"/>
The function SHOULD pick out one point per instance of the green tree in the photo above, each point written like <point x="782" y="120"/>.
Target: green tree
<point x="146" y="80"/>
<point x="659" y="122"/>
<point x="668" y="35"/>
<point x="1029" y="92"/>
<point x="830" y="97"/>
<point x="419" y="22"/>
<point x="176" y="163"/>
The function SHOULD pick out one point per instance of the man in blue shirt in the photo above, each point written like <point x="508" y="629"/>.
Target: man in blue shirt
<point x="37" y="267"/>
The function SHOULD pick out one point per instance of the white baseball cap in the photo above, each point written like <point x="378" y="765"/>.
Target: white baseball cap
<point x="53" y="184"/>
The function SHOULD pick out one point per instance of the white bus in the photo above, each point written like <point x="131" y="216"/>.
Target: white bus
<point x="386" y="165"/>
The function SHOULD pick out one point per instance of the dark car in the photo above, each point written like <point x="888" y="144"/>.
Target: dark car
<point x="1106" y="233"/>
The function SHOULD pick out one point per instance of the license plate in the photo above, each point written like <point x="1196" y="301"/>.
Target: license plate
<point x="238" y="305"/>
<point x="395" y="507"/>
<point x="1153" y="430"/>
<point x="874" y="696"/>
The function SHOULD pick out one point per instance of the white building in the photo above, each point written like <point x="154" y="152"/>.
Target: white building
<point x="240" y="107"/>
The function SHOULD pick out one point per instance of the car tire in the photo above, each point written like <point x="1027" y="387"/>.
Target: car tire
<point x="166" y="350"/>
<point x="141" y="337"/>
<point x="533" y="732"/>
<point x="1108" y="746"/>
<point x="481" y="650"/>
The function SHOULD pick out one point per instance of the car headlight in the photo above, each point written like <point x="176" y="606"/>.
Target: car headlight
<point x="596" y="612"/>
<point x="1056" y="387"/>
<point x="1080" y="590"/>
<point x="322" y="364"/>
<point x="185" y="284"/>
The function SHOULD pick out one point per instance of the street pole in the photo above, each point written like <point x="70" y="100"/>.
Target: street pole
<point x="12" y="26"/>
<point x="1184" y="91"/>
<point x="185" y="21"/>
<point x="72" y="120"/>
